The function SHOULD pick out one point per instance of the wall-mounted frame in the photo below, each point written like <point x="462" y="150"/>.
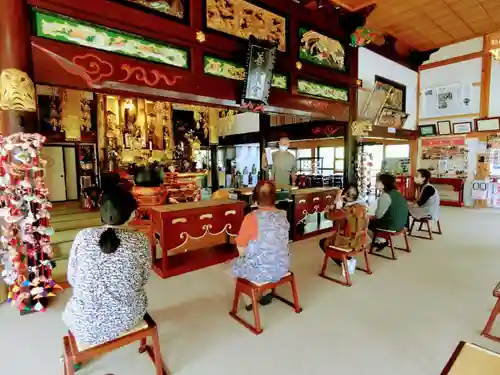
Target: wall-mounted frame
<point x="321" y="90"/>
<point x="487" y="124"/>
<point x="321" y="50"/>
<point x="444" y="127"/>
<point x="397" y="97"/>
<point x="229" y="17"/>
<point x="177" y="10"/>
<point x="223" y="68"/>
<point x="462" y="127"/>
<point x="391" y="118"/>
<point x="70" y="30"/>
<point x="427" y="130"/>
<point x="374" y="104"/>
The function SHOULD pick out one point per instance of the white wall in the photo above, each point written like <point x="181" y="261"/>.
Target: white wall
<point x="371" y="64"/>
<point x="494" y="110"/>
<point x="458" y="49"/>
<point x="466" y="73"/>
<point x="247" y="122"/>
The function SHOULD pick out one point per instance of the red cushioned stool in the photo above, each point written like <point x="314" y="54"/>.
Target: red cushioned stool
<point x="494" y="313"/>
<point x="76" y="354"/>
<point x="254" y="291"/>
<point x="388" y="235"/>
<point x="428" y="223"/>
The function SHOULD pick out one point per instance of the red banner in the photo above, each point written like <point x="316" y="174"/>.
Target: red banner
<point x="443" y="141"/>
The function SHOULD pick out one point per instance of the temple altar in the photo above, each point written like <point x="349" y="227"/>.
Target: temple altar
<point x="175" y="225"/>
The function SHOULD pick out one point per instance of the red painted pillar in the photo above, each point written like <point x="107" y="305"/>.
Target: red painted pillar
<point x="15" y="53"/>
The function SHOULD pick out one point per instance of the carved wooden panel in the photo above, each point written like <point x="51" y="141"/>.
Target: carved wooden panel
<point x="242" y="19"/>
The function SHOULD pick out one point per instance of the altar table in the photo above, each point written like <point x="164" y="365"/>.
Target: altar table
<point x="175" y="225"/>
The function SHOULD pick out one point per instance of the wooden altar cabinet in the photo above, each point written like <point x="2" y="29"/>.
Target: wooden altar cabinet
<point x="451" y="190"/>
<point x="175" y="225"/>
<point x="307" y="209"/>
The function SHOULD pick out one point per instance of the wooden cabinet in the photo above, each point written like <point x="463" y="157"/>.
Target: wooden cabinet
<point x="175" y="225"/>
<point x="308" y="206"/>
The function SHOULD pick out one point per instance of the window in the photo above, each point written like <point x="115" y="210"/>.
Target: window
<point x="397" y="151"/>
<point x="333" y="159"/>
<point x="328" y="155"/>
<point x="304" y="153"/>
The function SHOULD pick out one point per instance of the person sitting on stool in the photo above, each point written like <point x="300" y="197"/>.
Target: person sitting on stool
<point x="392" y="209"/>
<point x="427" y="205"/>
<point x="350" y="215"/>
<point x="263" y="241"/>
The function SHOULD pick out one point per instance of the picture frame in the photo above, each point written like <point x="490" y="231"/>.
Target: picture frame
<point x="428" y="130"/>
<point x="391" y="118"/>
<point x="462" y="127"/>
<point x="397" y="92"/>
<point x="444" y="127"/>
<point x="487" y="124"/>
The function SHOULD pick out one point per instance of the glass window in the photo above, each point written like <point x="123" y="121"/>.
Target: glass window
<point x="397" y="151"/>
<point x="328" y="155"/>
<point x="377" y="152"/>
<point x="339" y="164"/>
<point x="304" y="153"/>
<point x="339" y="152"/>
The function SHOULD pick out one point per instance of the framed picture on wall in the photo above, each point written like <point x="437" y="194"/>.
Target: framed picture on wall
<point x="391" y="118"/>
<point x="396" y="91"/>
<point x="427" y="130"/>
<point x="462" y="127"/>
<point x="444" y="127"/>
<point x="488" y="124"/>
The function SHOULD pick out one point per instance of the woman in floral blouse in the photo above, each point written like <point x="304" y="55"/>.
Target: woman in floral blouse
<point x="108" y="269"/>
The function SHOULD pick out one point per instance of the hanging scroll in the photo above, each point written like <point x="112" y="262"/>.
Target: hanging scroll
<point x="259" y="73"/>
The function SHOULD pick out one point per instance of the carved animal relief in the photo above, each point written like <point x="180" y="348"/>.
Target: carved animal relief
<point x="17" y="91"/>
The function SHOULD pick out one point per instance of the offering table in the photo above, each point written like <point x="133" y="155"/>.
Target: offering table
<point x="174" y="225"/>
<point x="307" y="207"/>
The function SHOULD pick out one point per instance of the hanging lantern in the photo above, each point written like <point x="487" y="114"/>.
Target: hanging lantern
<point x="362" y="36"/>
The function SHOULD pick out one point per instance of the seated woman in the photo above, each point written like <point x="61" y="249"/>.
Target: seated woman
<point x="108" y="269"/>
<point x="349" y="213"/>
<point x="263" y="241"/>
<point x="428" y="201"/>
<point x="392" y="208"/>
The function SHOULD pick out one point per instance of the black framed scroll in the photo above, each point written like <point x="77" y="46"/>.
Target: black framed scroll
<point x="261" y="58"/>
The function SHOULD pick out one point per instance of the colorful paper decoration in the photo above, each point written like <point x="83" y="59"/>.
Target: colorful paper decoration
<point x="25" y="249"/>
<point x="362" y="36"/>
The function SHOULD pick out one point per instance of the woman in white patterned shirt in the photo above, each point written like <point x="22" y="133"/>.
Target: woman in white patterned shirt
<point x="108" y="269"/>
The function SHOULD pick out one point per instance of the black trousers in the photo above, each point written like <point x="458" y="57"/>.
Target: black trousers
<point x="323" y="247"/>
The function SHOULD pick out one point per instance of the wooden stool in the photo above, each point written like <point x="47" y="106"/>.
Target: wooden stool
<point x="75" y="353"/>
<point x="493" y="315"/>
<point x="428" y="222"/>
<point x="388" y="234"/>
<point x="342" y="254"/>
<point x="254" y="291"/>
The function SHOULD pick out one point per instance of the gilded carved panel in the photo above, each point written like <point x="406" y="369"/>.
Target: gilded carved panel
<point x="173" y="8"/>
<point x="242" y="19"/>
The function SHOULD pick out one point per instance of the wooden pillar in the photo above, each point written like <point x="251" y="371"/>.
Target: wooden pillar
<point x="264" y="130"/>
<point x="15" y="55"/>
<point x="350" y="149"/>
<point x="214" y="170"/>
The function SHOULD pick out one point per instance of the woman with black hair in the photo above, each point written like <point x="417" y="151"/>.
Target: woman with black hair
<point x="392" y="208"/>
<point x="428" y="201"/>
<point x="108" y="269"/>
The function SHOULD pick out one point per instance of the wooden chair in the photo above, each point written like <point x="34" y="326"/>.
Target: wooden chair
<point x="388" y="235"/>
<point x="254" y="291"/>
<point x="494" y="313"/>
<point x="342" y="254"/>
<point x="76" y="354"/>
<point x="428" y="222"/>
